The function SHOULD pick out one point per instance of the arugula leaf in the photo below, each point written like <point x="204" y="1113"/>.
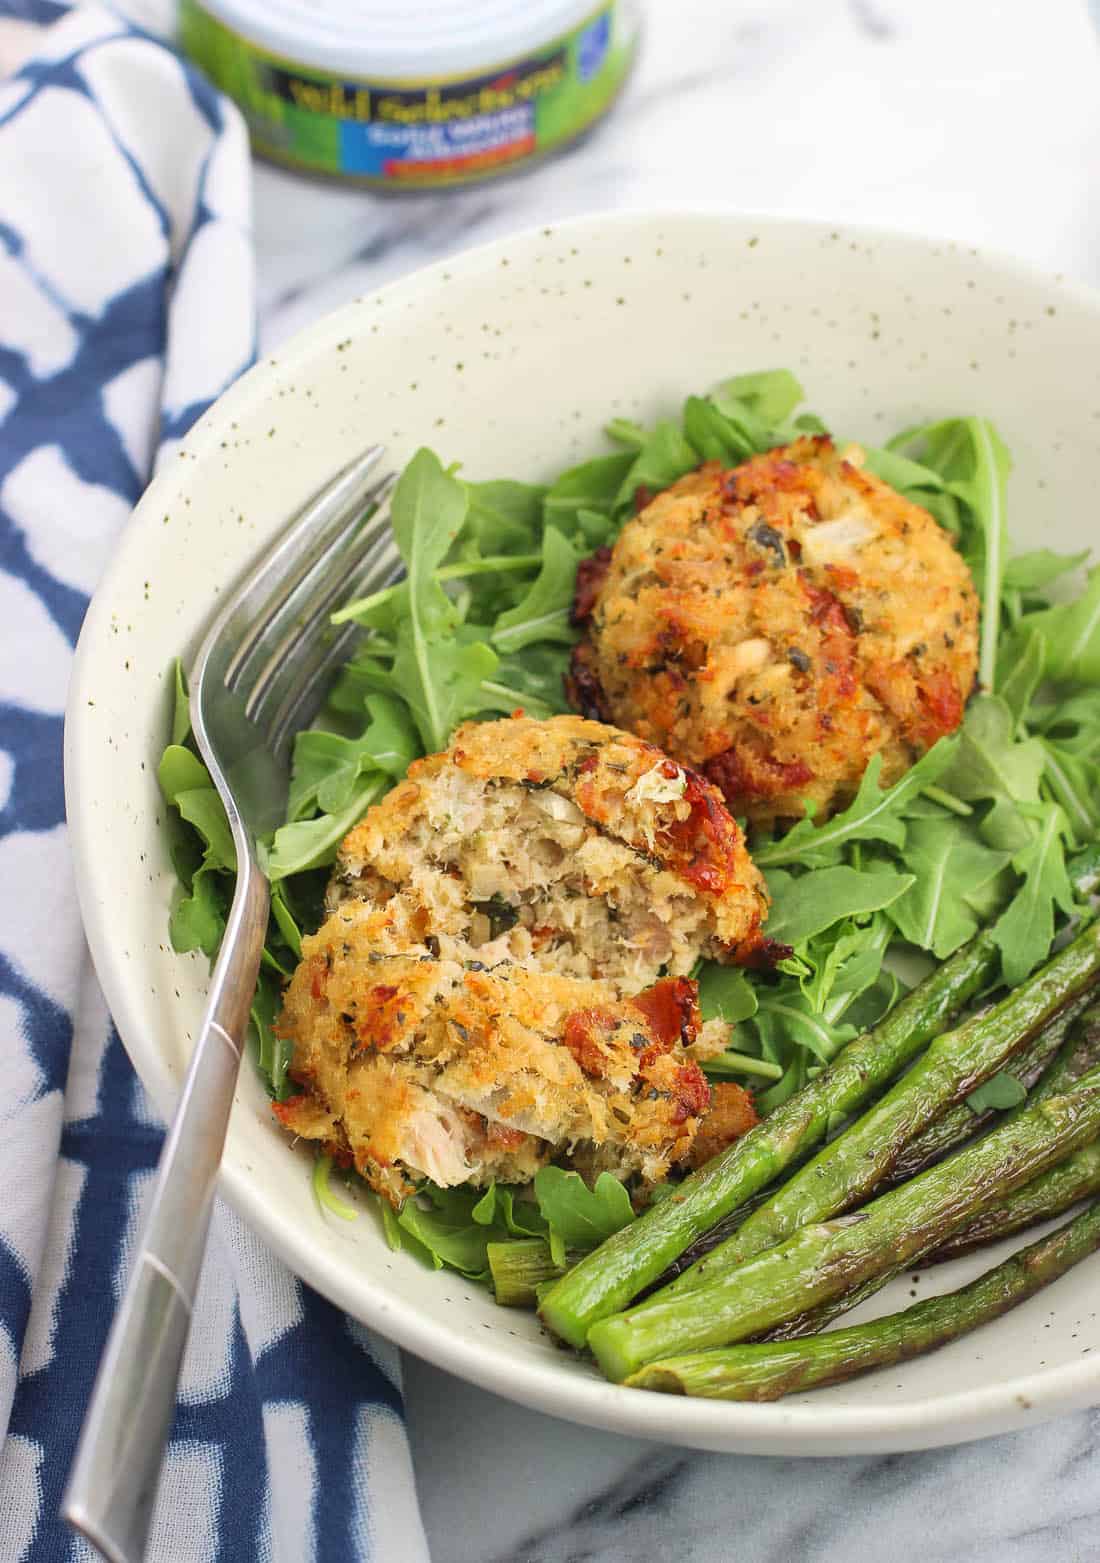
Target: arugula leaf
<point x="713" y="435"/>
<point x="326" y="770"/>
<point x="968" y="454"/>
<point x="443" y="1221"/>
<point x="594" y="486"/>
<point x="273" y="1053"/>
<point x="1073" y="722"/>
<point x="806" y="904"/>
<point x="285" y="920"/>
<point x="322" y="1190"/>
<point x="1025" y="930"/>
<point x="312" y="843"/>
<point x="866" y="1009"/>
<point x="1020" y="670"/>
<point x="786" y="1016"/>
<point x="505" y="517"/>
<point x="626" y="431"/>
<point x="181" y="705"/>
<point x="197" y="920"/>
<point x="428" y="510"/>
<point x="499" y="1206"/>
<point x="909" y="477"/>
<point x="665" y="456"/>
<point x="531" y="679"/>
<point x="725" y="993"/>
<point x="543" y="614"/>
<point x="844" y="962"/>
<point x="988" y="763"/>
<point x="203" y="808"/>
<point x="1075" y="782"/>
<point x="1033" y="571"/>
<point x="1072" y="634"/>
<point x="1000" y="1091"/>
<point x="327" y="766"/>
<point x="579" y="1217"/>
<point x="455" y="672"/>
<point x="873" y="815"/>
<point x="793" y="1079"/>
<point x="983" y="490"/>
<point x="768" y="395"/>
<point x="593" y="529"/>
<point x="949" y="861"/>
<point x="180" y="771"/>
<point x="1006" y="828"/>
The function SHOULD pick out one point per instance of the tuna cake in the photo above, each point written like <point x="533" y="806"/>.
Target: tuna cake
<point x="778" y="624"/>
<point x="502" y="978"/>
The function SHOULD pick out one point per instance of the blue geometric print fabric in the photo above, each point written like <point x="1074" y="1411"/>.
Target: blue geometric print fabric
<point x="126" y="306"/>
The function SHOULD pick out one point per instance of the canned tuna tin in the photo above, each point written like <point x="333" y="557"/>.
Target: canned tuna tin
<point x="412" y="94"/>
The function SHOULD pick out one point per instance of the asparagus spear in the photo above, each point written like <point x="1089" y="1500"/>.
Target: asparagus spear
<point x="766" y="1372"/>
<point x="846" y="1170"/>
<point x="518" y="1269"/>
<point x="1079" y="1053"/>
<point x="1028" y="1066"/>
<point x="1051" y="1194"/>
<point x="830" y="1258"/>
<point x="627" y="1262"/>
<point x="1054" y="1192"/>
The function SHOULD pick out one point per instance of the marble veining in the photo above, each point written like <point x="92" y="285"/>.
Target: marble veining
<point x="978" y="122"/>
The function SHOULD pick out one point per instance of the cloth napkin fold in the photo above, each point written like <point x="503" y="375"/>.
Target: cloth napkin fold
<point x="126" y="306"/>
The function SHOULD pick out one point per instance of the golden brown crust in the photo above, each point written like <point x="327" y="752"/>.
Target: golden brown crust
<point x="778" y="624"/>
<point x="732" y="1113"/>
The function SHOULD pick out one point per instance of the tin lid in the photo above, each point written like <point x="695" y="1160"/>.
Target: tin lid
<point x="401" y="40"/>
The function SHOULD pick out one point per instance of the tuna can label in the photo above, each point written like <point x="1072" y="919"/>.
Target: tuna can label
<point x="416" y="134"/>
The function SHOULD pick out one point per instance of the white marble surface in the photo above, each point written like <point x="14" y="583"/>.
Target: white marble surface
<point x="977" y="119"/>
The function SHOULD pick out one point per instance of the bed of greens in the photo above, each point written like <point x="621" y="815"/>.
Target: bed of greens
<point x="981" y="834"/>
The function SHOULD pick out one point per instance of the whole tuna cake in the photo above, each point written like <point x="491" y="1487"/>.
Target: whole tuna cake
<point x="502" y="977"/>
<point x="778" y="624"/>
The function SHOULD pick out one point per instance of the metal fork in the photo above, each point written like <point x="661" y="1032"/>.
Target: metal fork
<point x="260" y="675"/>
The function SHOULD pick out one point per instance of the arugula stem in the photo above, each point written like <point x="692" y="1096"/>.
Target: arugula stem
<point x="993" y="554"/>
<point x="325" y="1197"/>
<point x="948" y="800"/>
<point x="447" y="572"/>
<point x="742" y="1064"/>
<point x="514" y="698"/>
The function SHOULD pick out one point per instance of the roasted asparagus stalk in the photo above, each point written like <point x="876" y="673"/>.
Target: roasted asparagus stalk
<point x="768" y="1371"/>
<point x="828" y="1259"/>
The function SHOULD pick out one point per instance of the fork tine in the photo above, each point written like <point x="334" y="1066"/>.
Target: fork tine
<point x="302" y="701"/>
<point x="291" y="632"/>
<point x="322" y="524"/>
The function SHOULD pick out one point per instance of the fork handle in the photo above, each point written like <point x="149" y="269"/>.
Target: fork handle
<point x="113" y="1481"/>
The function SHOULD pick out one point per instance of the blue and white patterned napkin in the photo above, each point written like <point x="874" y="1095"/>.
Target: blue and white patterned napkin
<point x="126" y="306"/>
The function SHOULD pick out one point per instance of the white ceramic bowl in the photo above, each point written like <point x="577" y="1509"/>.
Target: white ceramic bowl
<point x="509" y="359"/>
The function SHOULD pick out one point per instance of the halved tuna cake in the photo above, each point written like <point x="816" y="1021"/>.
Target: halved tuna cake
<point x="502" y="977"/>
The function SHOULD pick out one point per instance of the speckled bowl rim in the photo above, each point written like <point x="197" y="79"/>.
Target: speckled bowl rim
<point x="778" y="1428"/>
